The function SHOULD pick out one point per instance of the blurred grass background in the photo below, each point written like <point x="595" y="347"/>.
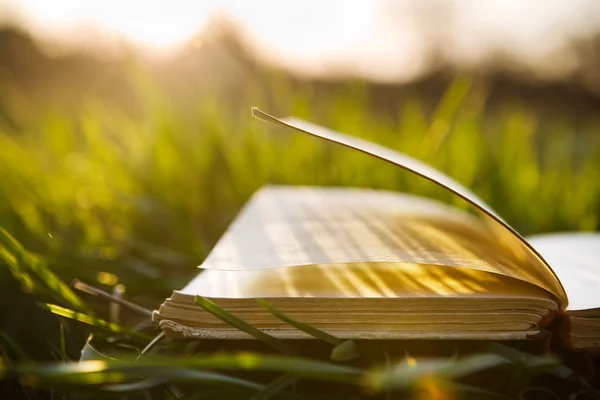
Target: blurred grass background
<point x="107" y="197"/>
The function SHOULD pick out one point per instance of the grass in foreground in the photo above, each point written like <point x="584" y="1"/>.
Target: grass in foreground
<point x="123" y="362"/>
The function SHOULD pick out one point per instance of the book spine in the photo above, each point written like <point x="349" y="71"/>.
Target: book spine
<point x="561" y="329"/>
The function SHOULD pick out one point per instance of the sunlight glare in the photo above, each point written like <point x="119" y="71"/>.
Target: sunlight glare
<point x="157" y="24"/>
<point x="163" y="23"/>
<point x="308" y="35"/>
<point x="380" y="39"/>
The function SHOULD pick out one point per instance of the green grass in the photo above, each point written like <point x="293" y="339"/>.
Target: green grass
<point x="107" y="197"/>
<point x="107" y="190"/>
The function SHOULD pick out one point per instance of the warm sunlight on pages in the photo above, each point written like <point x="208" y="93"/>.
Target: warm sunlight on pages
<point x="361" y="263"/>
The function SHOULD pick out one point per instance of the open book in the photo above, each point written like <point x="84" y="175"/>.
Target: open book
<point x="360" y="263"/>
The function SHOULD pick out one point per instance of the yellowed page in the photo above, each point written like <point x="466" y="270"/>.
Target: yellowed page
<point x="361" y="280"/>
<point x="289" y="226"/>
<point x="575" y="257"/>
<point x="532" y="263"/>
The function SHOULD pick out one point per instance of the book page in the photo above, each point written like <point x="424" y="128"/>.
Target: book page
<point x="575" y="257"/>
<point x="365" y="281"/>
<point x="287" y="226"/>
<point x="504" y="234"/>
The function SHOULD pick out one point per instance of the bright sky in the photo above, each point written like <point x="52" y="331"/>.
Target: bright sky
<point x="387" y="39"/>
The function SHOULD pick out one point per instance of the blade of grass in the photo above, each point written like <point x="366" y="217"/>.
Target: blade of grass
<point x="345" y="351"/>
<point x="89" y="320"/>
<point x="26" y="265"/>
<point x="243" y="326"/>
<point x="27" y="282"/>
<point x="407" y="374"/>
<point x="90" y="353"/>
<point x="442" y="119"/>
<point x="314" y="332"/>
<point x="63" y="344"/>
<point x="152" y="343"/>
<point x="533" y="364"/>
<point x="17" y="350"/>
<point x="183" y="375"/>
<point x="112" y="371"/>
<point x="277" y="386"/>
<point x="77" y="284"/>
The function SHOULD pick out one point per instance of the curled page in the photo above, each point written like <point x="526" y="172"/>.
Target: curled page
<point x="283" y="228"/>
<point x="507" y="236"/>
